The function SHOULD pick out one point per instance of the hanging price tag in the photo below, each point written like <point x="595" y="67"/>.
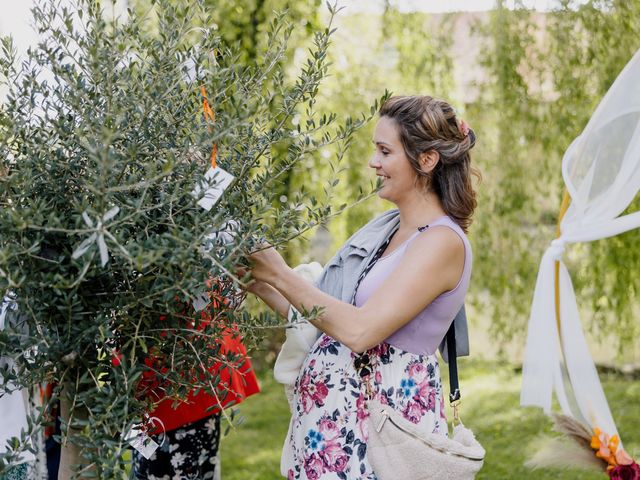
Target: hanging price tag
<point x="143" y="443"/>
<point x="215" y="182"/>
<point x="138" y="438"/>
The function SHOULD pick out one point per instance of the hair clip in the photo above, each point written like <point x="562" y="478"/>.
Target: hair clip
<point x="464" y="128"/>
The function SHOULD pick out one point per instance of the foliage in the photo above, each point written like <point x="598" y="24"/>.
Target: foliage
<point x="508" y="207"/>
<point x="243" y="23"/>
<point x="102" y="146"/>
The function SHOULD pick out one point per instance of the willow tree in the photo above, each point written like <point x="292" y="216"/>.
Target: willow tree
<point x="588" y="46"/>
<point x="545" y="74"/>
<point x="103" y="237"/>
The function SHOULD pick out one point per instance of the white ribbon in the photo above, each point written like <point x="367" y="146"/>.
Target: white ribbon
<point x="559" y="361"/>
<point x="556" y="249"/>
<point x="601" y="171"/>
<point x="97" y="236"/>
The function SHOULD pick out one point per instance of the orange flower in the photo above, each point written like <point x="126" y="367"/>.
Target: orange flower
<point x="595" y="439"/>
<point x="614" y="442"/>
<point x="608" y="449"/>
<point x="606" y="446"/>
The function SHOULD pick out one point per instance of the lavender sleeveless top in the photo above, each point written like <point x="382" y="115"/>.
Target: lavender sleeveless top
<point x="425" y="332"/>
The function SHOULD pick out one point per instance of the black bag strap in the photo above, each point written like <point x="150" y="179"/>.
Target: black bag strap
<point x="376" y="256"/>
<point x="454" y="385"/>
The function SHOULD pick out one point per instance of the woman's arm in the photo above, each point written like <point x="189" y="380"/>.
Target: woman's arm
<point x="416" y="282"/>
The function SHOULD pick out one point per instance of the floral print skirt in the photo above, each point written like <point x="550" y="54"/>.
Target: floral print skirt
<point x="327" y="437"/>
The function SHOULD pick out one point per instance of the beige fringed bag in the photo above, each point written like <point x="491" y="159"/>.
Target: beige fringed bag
<point x="396" y="448"/>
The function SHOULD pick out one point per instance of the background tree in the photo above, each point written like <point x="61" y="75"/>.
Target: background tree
<point x="546" y="73"/>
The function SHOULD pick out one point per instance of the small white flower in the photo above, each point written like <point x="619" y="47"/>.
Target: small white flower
<point x="177" y="459"/>
<point x="211" y="426"/>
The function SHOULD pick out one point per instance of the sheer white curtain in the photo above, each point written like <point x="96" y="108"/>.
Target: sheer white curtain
<point x="601" y="170"/>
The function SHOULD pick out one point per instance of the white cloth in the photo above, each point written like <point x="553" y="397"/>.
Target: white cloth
<point x="601" y="170"/>
<point x="14" y="419"/>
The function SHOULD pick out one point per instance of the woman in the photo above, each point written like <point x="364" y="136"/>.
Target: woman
<point x="404" y="300"/>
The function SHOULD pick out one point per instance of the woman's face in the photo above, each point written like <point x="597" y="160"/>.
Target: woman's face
<point x="391" y="163"/>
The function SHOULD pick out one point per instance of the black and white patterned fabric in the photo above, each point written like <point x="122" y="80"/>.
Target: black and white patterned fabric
<point x="188" y="452"/>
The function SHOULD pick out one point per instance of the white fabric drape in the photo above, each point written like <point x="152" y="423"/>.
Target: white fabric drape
<point x="14" y="413"/>
<point x="601" y="170"/>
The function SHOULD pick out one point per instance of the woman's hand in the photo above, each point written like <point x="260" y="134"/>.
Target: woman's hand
<point x="249" y="284"/>
<point x="264" y="291"/>
<point x="267" y="264"/>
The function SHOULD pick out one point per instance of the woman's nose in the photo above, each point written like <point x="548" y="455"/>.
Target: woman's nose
<point x="374" y="162"/>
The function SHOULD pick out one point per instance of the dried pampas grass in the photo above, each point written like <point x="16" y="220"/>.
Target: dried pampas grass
<point x="558" y="452"/>
<point x="572" y="428"/>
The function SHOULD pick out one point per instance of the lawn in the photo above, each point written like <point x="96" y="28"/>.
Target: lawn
<point x="490" y="407"/>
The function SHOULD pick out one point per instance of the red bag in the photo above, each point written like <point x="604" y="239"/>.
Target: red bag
<point x="237" y="381"/>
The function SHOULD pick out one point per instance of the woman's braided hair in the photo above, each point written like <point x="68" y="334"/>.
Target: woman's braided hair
<point x="426" y="124"/>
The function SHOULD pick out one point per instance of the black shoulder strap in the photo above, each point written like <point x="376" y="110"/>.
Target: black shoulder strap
<point x="376" y="256"/>
<point x="454" y="386"/>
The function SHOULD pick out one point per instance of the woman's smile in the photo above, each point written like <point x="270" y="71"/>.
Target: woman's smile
<point x="390" y="161"/>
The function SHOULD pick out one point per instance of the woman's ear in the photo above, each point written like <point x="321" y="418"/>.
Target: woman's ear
<point x="428" y="160"/>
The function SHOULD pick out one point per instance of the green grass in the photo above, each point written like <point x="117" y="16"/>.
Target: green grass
<point x="251" y="451"/>
<point x="490" y="407"/>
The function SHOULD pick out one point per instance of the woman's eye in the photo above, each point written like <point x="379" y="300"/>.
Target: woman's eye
<point x="385" y="152"/>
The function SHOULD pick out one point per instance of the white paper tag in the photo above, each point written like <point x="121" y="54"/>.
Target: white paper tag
<point x="201" y="300"/>
<point x="215" y="182"/>
<point x="142" y="442"/>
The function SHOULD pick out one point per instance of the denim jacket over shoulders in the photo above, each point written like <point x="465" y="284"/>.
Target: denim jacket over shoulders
<point x="341" y="273"/>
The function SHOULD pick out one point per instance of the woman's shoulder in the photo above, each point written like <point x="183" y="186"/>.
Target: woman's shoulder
<point x="449" y="253"/>
<point x="447" y="221"/>
<point x="444" y="238"/>
<point x="440" y="238"/>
